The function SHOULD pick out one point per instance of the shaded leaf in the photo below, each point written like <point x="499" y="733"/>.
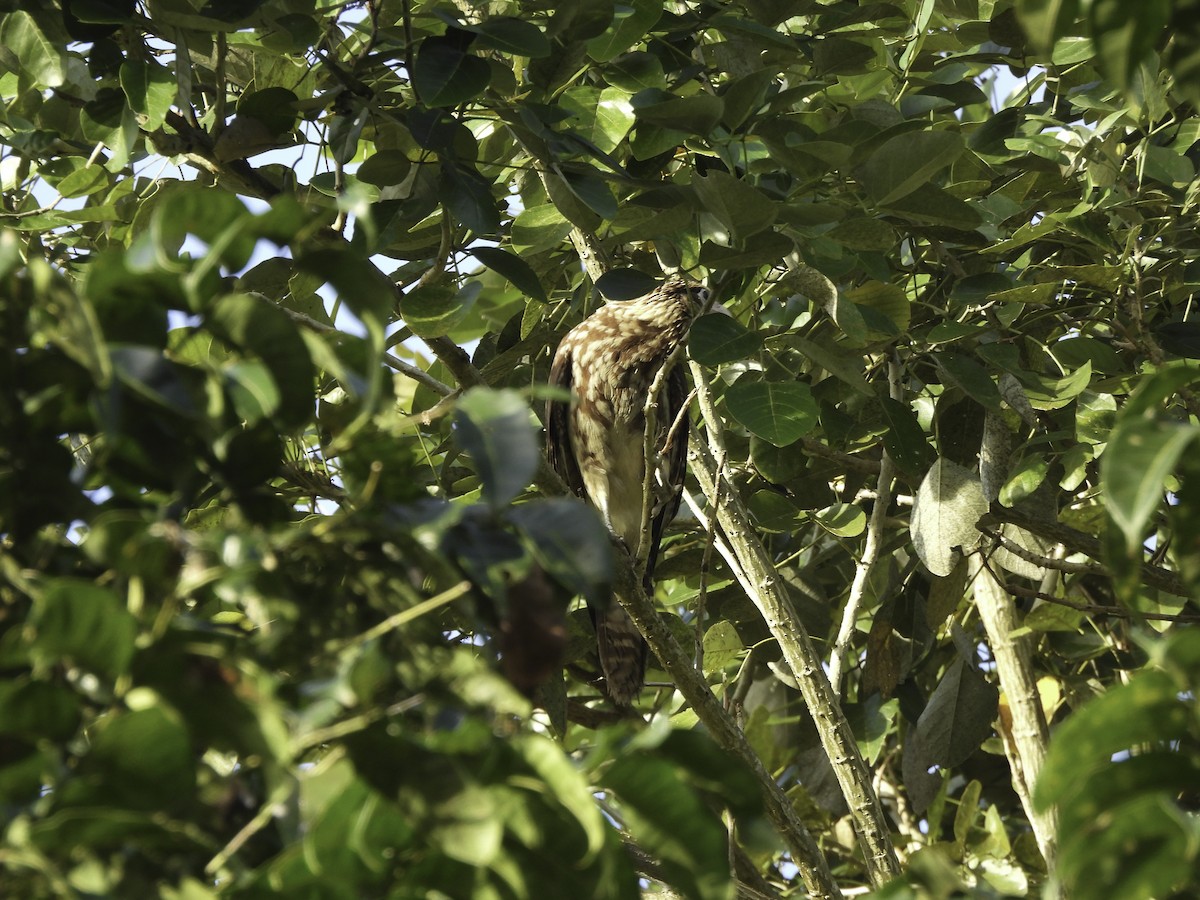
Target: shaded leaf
<point x="779" y="412"/>
<point x="494" y="427"/>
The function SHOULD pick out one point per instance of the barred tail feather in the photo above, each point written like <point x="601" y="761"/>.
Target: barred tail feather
<point x="622" y="655"/>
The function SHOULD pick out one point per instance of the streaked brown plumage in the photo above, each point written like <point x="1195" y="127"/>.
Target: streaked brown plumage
<point x="596" y="443"/>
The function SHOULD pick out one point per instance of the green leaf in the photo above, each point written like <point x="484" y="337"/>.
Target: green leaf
<point x="594" y="191"/>
<point x="84" y="623"/>
<point x="1045" y="21"/>
<point x="613" y="118"/>
<point x="723" y="648"/>
<point x="40" y="60"/>
<point x="539" y="228"/>
<point x="773" y="511"/>
<point x="908" y="161"/>
<point x="958" y="717"/>
<point x="736" y="204"/>
<point x="369" y="295"/>
<point x="933" y="205"/>
<point x="511" y="35"/>
<point x="150" y="89"/>
<point x="257" y="326"/>
<point x="697" y="114"/>
<point x="1141" y="454"/>
<point x="446" y="75"/>
<point x="778" y="412"/>
<point x="38" y="709"/>
<point x="630" y="22"/>
<point x="84" y="181"/>
<point x="567" y="784"/>
<point x="512" y="267"/>
<point x="971" y="377"/>
<point x="842" y="519"/>
<point x="141" y="760"/>
<point x="1024" y="479"/>
<point x="468" y="195"/>
<point x="255" y="395"/>
<point x="1125" y="35"/>
<point x="744" y="96"/>
<point x="433" y="310"/>
<point x="872" y="721"/>
<point x="948" y="503"/>
<point x="625" y="284"/>
<point x="1146" y="710"/>
<point x="766" y="248"/>
<point x="569" y="541"/>
<point x="718" y="339"/>
<point x="889" y="300"/>
<point x="1147" y="850"/>
<point x="384" y="167"/>
<point x="494" y="427"/>
<point x="667" y="818"/>
<point x="906" y="443"/>
<point x="470" y="828"/>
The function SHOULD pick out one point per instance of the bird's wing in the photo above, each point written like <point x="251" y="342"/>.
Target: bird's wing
<point x="558" y="423"/>
<point x="675" y="456"/>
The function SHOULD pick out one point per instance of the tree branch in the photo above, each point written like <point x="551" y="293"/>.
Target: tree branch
<point x="1152" y="575"/>
<point x="1025" y="741"/>
<point x="814" y="870"/>
<point x="764" y="587"/>
<point x="870" y="554"/>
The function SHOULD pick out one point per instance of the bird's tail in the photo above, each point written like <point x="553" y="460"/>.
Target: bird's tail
<point x="622" y="654"/>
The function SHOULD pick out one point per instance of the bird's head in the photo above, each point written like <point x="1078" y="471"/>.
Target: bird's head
<point x="678" y="300"/>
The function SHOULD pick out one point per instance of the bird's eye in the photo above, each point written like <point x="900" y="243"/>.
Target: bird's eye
<point x="700" y="295"/>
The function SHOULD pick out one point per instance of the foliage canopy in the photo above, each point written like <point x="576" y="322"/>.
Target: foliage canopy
<point x="281" y="563"/>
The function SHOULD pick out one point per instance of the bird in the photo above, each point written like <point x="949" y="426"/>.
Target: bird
<point x="595" y="441"/>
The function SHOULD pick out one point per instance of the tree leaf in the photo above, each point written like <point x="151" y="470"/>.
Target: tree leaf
<point x="512" y="267"/>
<point x="40" y="60"/>
<point x="958" y="717"/>
<point x="1124" y="36"/>
<point x="720" y="339"/>
<point x="444" y="74"/>
<point x="625" y="284"/>
<point x="779" y="412"/>
<point x="667" y="818"/>
<point x="948" y="504"/>
<point x="494" y="427"/>
<point x="87" y="624"/>
<point x="738" y="205"/>
<point x="433" y="310"/>
<point x="697" y="114"/>
<point x="1141" y="454"/>
<point x="569" y="540"/>
<point x="630" y="22"/>
<point x="150" y="89"/>
<point x="907" y="161"/>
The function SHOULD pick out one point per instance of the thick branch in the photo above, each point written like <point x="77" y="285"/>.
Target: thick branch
<point x="767" y="590"/>
<point x="721" y="727"/>
<point x="1026" y="736"/>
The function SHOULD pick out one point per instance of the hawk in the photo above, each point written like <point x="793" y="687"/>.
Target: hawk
<point x="596" y="442"/>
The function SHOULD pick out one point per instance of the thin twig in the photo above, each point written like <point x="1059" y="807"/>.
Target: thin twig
<point x="1152" y="576"/>
<point x="651" y="454"/>
<point x="418" y="375"/>
<point x="870" y="554"/>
